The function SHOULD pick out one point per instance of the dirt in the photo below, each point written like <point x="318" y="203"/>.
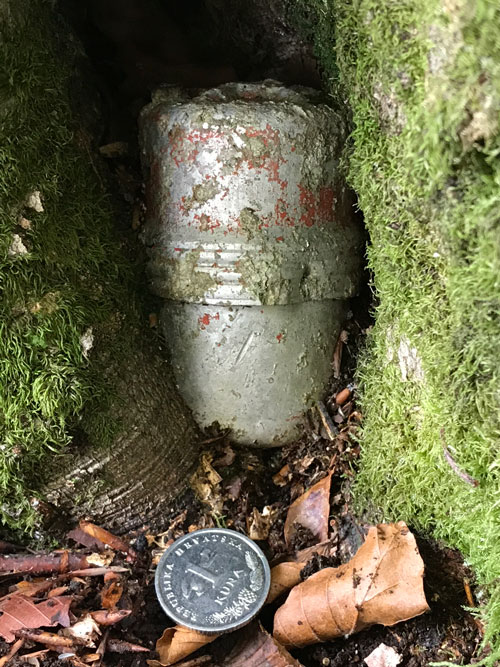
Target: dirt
<point x="447" y="632"/>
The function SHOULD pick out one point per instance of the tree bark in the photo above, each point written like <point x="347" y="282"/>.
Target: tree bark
<point x="132" y="481"/>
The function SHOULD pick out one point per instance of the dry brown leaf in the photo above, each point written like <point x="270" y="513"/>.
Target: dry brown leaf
<point x="382" y="584"/>
<point x="282" y="477"/>
<point x="259" y="649"/>
<point x="78" y="536"/>
<point x="105" y="617"/>
<point x="85" y="631"/>
<point x="107" y="538"/>
<point x="284" y="576"/>
<point x="111" y="594"/>
<point x="179" y="642"/>
<point x="57" y="592"/>
<point x="328" y="548"/>
<point x="259" y="523"/>
<point x="310" y="510"/>
<point x="20" y="612"/>
<point x="205" y="483"/>
<point x="102" y="558"/>
<point x="30" y="588"/>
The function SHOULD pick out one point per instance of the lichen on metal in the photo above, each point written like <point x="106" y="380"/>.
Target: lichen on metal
<point x="249" y="224"/>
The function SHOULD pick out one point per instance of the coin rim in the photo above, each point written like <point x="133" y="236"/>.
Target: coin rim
<point x="245" y="619"/>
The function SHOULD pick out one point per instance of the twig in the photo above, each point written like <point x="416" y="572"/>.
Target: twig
<point x="120" y="646"/>
<point x="468" y="593"/>
<point x="42" y="563"/>
<point x="326" y="419"/>
<point x="209" y="441"/>
<point x="454" y="465"/>
<point x="14" y="649"/>
<point x="48" y="638"/>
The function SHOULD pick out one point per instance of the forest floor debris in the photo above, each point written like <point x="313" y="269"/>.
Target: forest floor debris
<point x="93" y="603"/>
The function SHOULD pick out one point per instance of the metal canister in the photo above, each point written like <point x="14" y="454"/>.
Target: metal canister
<point x="254" y="246"/>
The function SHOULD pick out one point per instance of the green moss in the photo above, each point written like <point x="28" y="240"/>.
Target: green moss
<point x="423" y="81"/>
<point x="69" y="278"/>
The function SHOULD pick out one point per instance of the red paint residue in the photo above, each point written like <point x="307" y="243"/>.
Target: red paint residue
<point x="279" y="238"/>
<point x="279" y="337"/>
<point x="317" y="206"/>
<point x="205" y="222"/>
<point x="268" y="135"/>
<point x="205" y="320"/>
<point x="183" y="145"/>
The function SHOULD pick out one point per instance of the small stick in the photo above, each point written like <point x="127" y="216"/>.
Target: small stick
<point x="326" y="419"/>
<point x="209" y="441"/>
<point x="120" y="646"/>
<point x="48" y="638"/>
<point x="468" y="593"/>
<point x="454" y="465"/>
<point x="14" y="649"/>
<point x="42" y="563"/>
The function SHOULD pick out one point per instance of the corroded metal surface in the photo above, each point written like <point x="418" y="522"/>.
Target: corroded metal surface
<point x="247" y="212"/>
<point x="252" y="369"/>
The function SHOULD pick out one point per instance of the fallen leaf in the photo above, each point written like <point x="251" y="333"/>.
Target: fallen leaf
<point x="259" y="524"/>
<point x="328" y="548"/>
<point x="282" y="476"/>
<point x="105" y="617"/>
<point x="382" y="584"/>
<point x="20" y="611"/>
<point x="284" y="576"/>
<point x="57" y="592"/>
<point x="383" y="656"/>
<point x="108" y="538"/>
<point x="30" y="588"/>
<point x="85" y="630"/>
<point x="111" y="594"/>
<point x="179" y="642"/>
<point x="80" y="537"/>
<point x="101" y="559"/>
<point x="205" y="483"/>
<point x="259" y="649"/>
<point x="226" y="459"/>
<point x="310" y="510"/>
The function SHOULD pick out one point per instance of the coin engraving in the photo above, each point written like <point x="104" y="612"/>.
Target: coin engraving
<point x="212" y="580"/>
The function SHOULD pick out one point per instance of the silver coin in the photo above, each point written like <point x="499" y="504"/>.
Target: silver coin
<point x="213" y="580"/>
